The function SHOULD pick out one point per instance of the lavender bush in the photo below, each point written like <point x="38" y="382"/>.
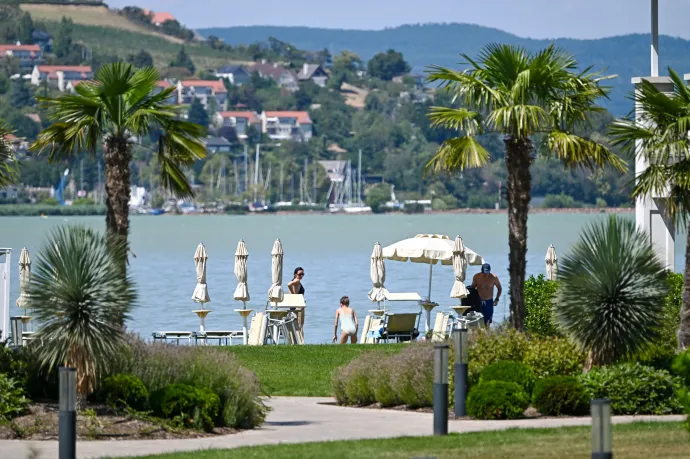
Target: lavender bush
<point x="159" y="365"/>
<point x="381" y="384"/>
<point x="352" y="382"/>
<point x="412" y="375"/>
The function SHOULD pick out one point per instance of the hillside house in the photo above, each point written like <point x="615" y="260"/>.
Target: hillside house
<point x="315" y="73"/>
<point x="203" y="90"/>
<point x="291" y="125"/>
<point x="19" y="144"/>
<point x="163" y="84"/>
<point x="239" y="120"/>
<point x="158" y="18"/>
<point x="236" y="74"/>
<point x="282" y="76"/>
<point x="418" y="80"/>
<point x="27" y="55"/>
<point x="63" y="77"/>
<point x="217" y="145"/>
<point x="43" y="39"/>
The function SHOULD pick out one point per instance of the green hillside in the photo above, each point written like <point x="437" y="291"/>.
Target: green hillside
<point x="441" y="44"/>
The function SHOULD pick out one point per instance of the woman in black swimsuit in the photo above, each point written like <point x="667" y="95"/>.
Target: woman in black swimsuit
<point x="295" y="285"/>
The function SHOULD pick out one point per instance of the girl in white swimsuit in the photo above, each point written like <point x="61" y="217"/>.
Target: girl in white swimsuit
<point x="348" y="322"/>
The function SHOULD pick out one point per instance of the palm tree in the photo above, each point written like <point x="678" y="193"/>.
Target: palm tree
<point x="660" y="137"/>
<point x="611" y="291"/>
<point x="532" y="100"/>
<point x="81" y="297"/>
<point x="8" y="163"/>
<point x="113" y="110"/>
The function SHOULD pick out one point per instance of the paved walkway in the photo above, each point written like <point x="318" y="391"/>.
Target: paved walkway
<point x="299" y="420"/>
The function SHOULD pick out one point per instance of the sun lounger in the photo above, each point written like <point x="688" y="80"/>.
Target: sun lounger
<point x="440" y="331"/>
<point x="228" y="336"/>
<point x="258" y="329"/>
<point x="401" y="326"/>
<point x="371" y="332"/>
<point x="291" y="302"/>
<point x="172" y="336"/>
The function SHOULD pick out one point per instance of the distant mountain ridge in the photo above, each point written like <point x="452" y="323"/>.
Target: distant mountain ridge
<point x="441" y="44"/>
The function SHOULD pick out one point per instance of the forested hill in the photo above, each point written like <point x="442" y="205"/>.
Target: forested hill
<point x="441" y="44"/>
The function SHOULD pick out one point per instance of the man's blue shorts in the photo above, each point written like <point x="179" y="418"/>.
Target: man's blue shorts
<point x="487" y="311"/>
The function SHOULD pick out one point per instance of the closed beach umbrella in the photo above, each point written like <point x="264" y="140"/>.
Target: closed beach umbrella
<point x="378" y="275"/>
<point x="551" y="263"/>
<point x="275" y="293"/>
<point x="241" y="256"/>
<point x="24" y="278"/>
<point x="459" y="270"/>
<point x="200" y="294"/>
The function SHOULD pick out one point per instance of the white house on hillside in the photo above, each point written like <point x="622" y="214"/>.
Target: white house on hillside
<point x="285" y="125"/>
<point x="203" y="90"/>
<point x="61" y="75"/>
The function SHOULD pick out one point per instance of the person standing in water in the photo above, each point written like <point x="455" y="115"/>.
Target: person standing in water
<point x="348" y="322"/>
<point x="485" y="282"/>
<point x="295" y="285"/>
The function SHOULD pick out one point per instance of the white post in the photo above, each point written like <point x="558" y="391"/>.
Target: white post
<point x="256" y="171"/>
<point x="5" y="293"/>
<point x="431" y="267"/>
<point x="655" y="38"/>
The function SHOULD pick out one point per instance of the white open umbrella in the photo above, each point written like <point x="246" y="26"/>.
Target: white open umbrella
<point x="459" y="270"/>
<point x="241" y="256"/>
<point x="275" y="293"/>
<point x="200" y="294"/>
<point x="551" y="263"/>
<point x="378" y="275"/>
<point x="24" y="278"/>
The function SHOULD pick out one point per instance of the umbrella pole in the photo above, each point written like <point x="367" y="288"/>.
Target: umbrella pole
<point x="431" y="271"/>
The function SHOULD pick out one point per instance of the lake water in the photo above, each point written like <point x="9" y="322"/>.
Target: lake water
<point x="334" y="251"/>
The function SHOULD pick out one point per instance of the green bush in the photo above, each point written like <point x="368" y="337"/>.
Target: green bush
<point x="159" y="365"/>
<point x="539" y="298"/>
<point x="497" y="400"/>
<point x="187" y="405"/>
<point x="412" y="375"/>
<point x="509" y="371"/>
<point x="553" y="356"/>
<point x="560" y="395"/>
<point x="487" y="347"/>
<point x="12" y="399"/>
<point x="634" y="389"/>
<point x="353" y="380"/>
<point x="681" y="366"/>
<point x="381" y="385"/>
<point x="125" y="391"/>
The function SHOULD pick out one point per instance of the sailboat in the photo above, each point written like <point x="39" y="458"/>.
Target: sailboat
<point x="346" y="188"/>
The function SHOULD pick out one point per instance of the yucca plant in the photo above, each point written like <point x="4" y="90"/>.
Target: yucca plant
<point x="81" y="298"/>
<point x="612" y="290"/>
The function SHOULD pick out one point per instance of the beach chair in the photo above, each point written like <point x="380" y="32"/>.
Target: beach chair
<point x="440" y="331"/>
<point x="220" y="335"/>
<point x="258" y="330"/>
<point x="400" y="326"/>
<point x="169" y="336"/>
<point x="291" y="302"/>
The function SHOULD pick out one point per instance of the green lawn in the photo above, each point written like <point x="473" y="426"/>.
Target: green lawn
<point x="631" y="441"/>
<point x="300" y="370"/>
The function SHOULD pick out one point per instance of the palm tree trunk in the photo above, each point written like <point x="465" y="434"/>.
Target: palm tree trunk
<point x="684" y="330"/>
<point x="117" y="157"/>
<point x="518" y="161"/>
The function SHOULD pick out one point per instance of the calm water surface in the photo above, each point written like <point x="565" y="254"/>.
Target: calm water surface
<point x="334" y="250"/>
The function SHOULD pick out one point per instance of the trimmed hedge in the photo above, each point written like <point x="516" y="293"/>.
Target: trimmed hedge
<point x="497" y="400"/>
<point x="509" y="371"/>
<point x="121" y="392"/>
<point x="188" y="406"/>
<point x="560" y="396"/>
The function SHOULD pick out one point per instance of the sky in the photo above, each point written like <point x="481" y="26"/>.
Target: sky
<point x="525" y="18"/>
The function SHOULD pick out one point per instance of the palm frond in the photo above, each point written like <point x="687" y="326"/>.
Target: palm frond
<point x="611" y="291"/>
<point x="81" y="297"/>
<point x="576" y="151"/>
<point x="459" y="119"/>
<point x="459" y="154"/>
<point x="8" y="160"/>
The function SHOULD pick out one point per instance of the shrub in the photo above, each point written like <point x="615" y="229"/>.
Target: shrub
<point x="381" y="384"/>
<point x="553" y="357"/>
<point x="353" y="380"/>
<point x="539" y="298"/>
<point x="681" y="366"/>
<point x="12" y="399"/>
<point x="560" y="395"/>
<point x="612" y="289"/>
<point x="634" y="389"/>
<point x="509" y="371"/>
<point x="497" y="400"/>
<point x="159" y="365"/>
<point x="125" y="391"/>
<point x="487" y="347"/>
<point x="412" y="375"/>
<point x="187" y="405"/>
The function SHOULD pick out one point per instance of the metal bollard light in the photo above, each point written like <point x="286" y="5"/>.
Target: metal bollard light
<point x="602" y="435"/>
<point x="460" y="370"/>
<point x="67" y="427"/>
<point x="441" y="389"/>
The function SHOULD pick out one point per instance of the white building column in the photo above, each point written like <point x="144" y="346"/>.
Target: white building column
<point x="650" y="214"/>
<point x="4" y="293"/>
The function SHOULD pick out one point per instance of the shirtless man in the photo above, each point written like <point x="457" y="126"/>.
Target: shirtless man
<point x="485" y="282"/>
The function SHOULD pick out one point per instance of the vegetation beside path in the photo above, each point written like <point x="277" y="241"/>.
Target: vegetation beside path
<point x="301" y="370"/>
<point x="631" y="441"/>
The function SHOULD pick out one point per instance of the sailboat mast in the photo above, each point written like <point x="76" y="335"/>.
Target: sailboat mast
<point x="359" y="179"/>
<point x="281" y="182"/>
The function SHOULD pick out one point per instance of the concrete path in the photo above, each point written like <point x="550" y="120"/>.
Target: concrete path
<point x="299" y="420"/>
